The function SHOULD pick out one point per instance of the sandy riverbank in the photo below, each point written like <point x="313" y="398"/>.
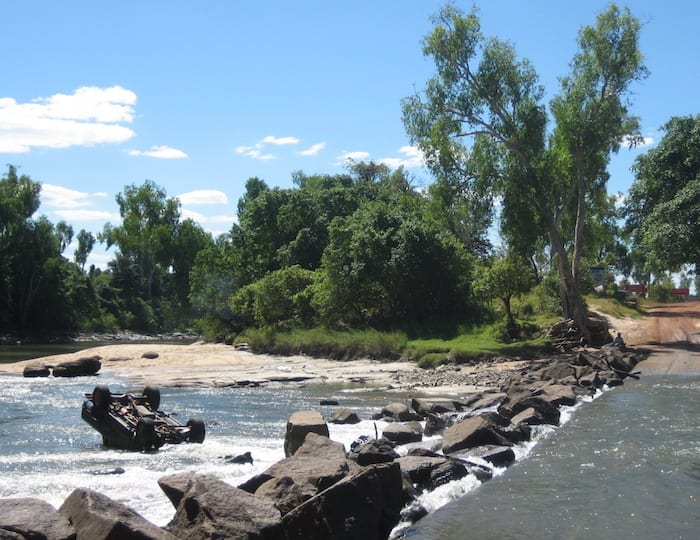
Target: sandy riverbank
<point x="208" y="364"/>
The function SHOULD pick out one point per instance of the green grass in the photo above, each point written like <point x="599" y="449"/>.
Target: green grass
<point x="322" y="342"/>
<point x="472" y="347"/>
<point x="615" y="308"/>
<point x="461" y="345"/>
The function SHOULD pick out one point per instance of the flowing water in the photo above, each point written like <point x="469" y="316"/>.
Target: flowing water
<point x="625" y="466"/>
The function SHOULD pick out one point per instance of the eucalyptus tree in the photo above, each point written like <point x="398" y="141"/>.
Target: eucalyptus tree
<point x="663" y="207"/>
<point x="86" y="241"/>
<point x="145" y="236"/>
<point x="482" y="123"/>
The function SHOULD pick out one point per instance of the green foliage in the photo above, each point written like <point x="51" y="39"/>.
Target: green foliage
<point x="663" y="207"/>
<point x="661" y="290"/>
<point x="508" y="276"/>
<point x="386" y="264"/>
<point x="474" y="344"/>
<point x="326" y="343"/>
<point x="282" y="296"/>
<point x="484" y="103"/>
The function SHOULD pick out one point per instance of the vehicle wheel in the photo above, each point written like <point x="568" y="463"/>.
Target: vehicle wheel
<point x="101" y="397"/>
<point x="146" y="436"/>
<point x="152" y="395"/>
<point x="197" y="430"/>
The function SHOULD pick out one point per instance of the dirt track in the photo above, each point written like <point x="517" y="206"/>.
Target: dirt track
<point x="671" y="332"/>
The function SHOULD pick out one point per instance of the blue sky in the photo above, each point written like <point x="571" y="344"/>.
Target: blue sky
<point x="199" y="97"/>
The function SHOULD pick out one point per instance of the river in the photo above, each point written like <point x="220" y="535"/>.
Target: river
<point x="626" y="466"/>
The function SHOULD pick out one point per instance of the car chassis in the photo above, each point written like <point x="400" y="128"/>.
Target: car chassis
<point x="133" y="422"/>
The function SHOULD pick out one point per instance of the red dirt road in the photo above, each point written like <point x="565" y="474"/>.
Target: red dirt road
<point x="671" y="332"/>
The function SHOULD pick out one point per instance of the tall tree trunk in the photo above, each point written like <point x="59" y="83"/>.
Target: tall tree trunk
<point x="571" y="300"/>
<point x="580" y="214"/>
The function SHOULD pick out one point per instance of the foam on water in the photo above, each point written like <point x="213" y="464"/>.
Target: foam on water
<point x="46" y="450"/>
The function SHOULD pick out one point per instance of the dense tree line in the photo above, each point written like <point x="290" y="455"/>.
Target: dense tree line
<point x="366" y="249"/>
<point x="144" y="288"/>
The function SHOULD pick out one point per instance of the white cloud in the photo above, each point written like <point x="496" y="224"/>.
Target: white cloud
<point x="271" y="139"/>
<point x="186" y="213"/>
<point x="357" y="155"/>
<point x="413" y="157"/>
<point x="203" y="196"/>
<point x="161" y="152"/>
<point x="61" y="197"/>
<point x="87" y="215"/>
<point x="254" y="152"/>
<point x="88" y="116"/>
<point x="313" y="150"/>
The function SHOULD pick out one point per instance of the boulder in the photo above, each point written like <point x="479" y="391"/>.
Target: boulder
<point x="488" y="400"/>
<point x="404" y="432"/>
<point x="434" y="425"/>
<point x="33" y="518"/>
<point x="556" y="371"/>
<point x="549" y="412"/>
<point x="529" y="417"/>
<point x="299" y="425"/>
<point x="318" y="464"/>
<point x="78" y="368"/>
<point x="150" y="355"/>
<point x="481" y="472"/>
<point x="211" y="508"/>
<point x="398" y="412"/>
<point x="365" y="505"/>
<point x="498" y="456"/>
<point x="36" y="370"/>
<point x="373" y="451"/>
<point x="422" y="470"/>
<point x="326" y="402"/>
<point x="559" y="395"/>
<point x="428" y="406"/>
<point x="344" y="416"/>
<point x="176" y="485"/>
<point x="96" y="516"/>
<point x="469" y="433"/>
<point x="240" y="459"/>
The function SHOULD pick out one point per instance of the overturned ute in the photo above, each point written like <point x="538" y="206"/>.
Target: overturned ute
<point x="133" y="422"/>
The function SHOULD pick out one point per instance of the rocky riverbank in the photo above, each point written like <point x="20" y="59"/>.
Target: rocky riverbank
<point x="323" y="490"/>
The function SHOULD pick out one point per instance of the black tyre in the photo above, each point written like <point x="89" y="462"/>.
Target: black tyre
<point x="101" y="397"/>
<point x="146" y="436"/>
<point x="197" y="430"/>
<point x="152" y="395"/>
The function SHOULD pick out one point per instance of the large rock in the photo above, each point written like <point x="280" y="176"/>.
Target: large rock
<point x="549" y="412"/>
<point x="428" y="406"/>
<point x="558" y="395"/>
<point x="344" y="416"/>
<point x="425" y="467"/>
<point x="78" y="368"/>
<point x="404" y="432"/>
<point x="366" y="505"/>
<point x="36" y="370"/>
<point x="398" y="412"/>
<point x="95" y="516"/>
<point x="211" y="508"/>
<point x="318" y="464"/>
<point x="33" y="518"/>
<point x="373" y="451"/>
<point x="471" y="432"/>
<point x="499" y="456"/>
<point x="299" y="425"/>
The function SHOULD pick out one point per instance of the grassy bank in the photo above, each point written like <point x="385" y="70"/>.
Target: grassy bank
<point x="429" y="349"/>
<point x="429" y="352"/>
